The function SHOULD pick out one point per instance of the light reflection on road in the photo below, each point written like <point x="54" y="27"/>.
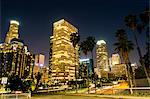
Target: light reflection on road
<point x="67" y="97"/>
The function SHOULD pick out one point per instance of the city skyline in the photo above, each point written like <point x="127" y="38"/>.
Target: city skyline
<point x="94" y="20"/>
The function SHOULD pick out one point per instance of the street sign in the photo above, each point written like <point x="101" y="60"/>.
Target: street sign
<point x="4" y="80"/>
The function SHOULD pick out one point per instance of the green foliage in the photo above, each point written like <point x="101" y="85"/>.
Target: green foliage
<point x="38" y="77"/>
<point x="123" y="45"/>
<point x="139" y="73"/>
<point x="88" y="45"/>
<point x="74" y="38"/>
<point x="90" y="42"/>
<point x="17" y="84"/>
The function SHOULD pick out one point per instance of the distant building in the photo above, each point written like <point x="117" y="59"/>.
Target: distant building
<point x="39" y="63"/>
<point x="44" y="78"/>
<point x="115" y="59"/>
<point x="63" y="57"/>
<point x="134" y="66"/>
<point x="101" y="58"/>
<point x="86" y="64"/>
<point x="119" y="70"/>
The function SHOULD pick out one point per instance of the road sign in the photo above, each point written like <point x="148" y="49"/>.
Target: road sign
<point x="4" y="80"/>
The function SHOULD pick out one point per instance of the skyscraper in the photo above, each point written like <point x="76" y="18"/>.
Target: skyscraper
<point x="101" y="57"/>
<point x="15" y="59"/>
<point x="64" y="56"/>
<point x="13" y="31"/>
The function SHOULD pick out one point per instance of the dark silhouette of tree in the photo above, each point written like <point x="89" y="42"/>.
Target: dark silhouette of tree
<point x="91" y="44"/>
<point x="75" y="38"/>
<point x="85" y="49"/>
<point x="138" y="26"/>
<point x="15" y="83"/>
<point x="131" y="22"/>
<point x="124" y="47"/>
<point x="38" y="78"/>
<point x="144" y="18"/>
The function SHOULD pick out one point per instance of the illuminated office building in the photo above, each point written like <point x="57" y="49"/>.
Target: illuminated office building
<point x="119" y="70"/>
<point x="101" y="58"/>
<point x="115" y="59"/>
<point x="39" y="63"/>
<point x="44" y="77"/>
<point x="50" y="61"/>
<point x="13" y="31"/>
<point x="15" y="59"/>
<point x="64" y="57"/>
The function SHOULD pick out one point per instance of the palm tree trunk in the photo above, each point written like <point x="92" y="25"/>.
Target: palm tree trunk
<point x="137" y="45"/>
<point x="128" y="68"/>
<point x="93" y="72"/>
<point x="141" y="58"/>
<point x="88" y="76"/>
<point x="75" y="70"/>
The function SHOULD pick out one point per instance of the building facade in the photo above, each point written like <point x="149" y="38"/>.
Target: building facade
<point x="64" y="56"/>
<point x="38" y="63"/>
<point x="101" y="58"/>
<point x="15" y="59"/>
<point x="115" y="59"/>
<point x="12" y="31"/>
<point x="119" y="70"/>
<point x="86" y="64"/>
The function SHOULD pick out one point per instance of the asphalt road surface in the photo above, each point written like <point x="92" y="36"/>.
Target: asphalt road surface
<point x="67" y="97"/>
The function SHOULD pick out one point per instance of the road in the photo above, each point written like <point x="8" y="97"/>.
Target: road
<point x="67" y="97"/>
<point x="110" y="89"/>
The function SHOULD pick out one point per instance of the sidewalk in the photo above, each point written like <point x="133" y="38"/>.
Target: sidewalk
<point x="110" y="96"/>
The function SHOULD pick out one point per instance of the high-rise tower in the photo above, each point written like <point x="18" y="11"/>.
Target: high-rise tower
<point x="15" y="58"/>
<point x="101" y="57"/>
<point x="64" y="56"/>
<point x="13" y="31"/>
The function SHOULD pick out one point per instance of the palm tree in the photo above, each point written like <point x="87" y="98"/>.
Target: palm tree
<point x="144" y="17"/>
<point x="75" y="38"/>
<point x="38" y="77"/>
<point x="124" y="46"/>
<point x="85" y="49"/>
<point x="131" y="22"/>
<point x="91" y="44"/>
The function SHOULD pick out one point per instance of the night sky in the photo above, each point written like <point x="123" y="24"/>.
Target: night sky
<point x="98" y="18"/>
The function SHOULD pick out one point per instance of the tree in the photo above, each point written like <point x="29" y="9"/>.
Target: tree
<point x="124" y="47"/>
<point x="85" y="49"/>
<point x="131" y="22"/>
<point x="15" y="83"/>
<point x="91" y="44"/>
<point x="75" y="38"/>
<point x="144" y="18"/>
<point x="38" y="77"/>
<point x="137" y="27"/>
